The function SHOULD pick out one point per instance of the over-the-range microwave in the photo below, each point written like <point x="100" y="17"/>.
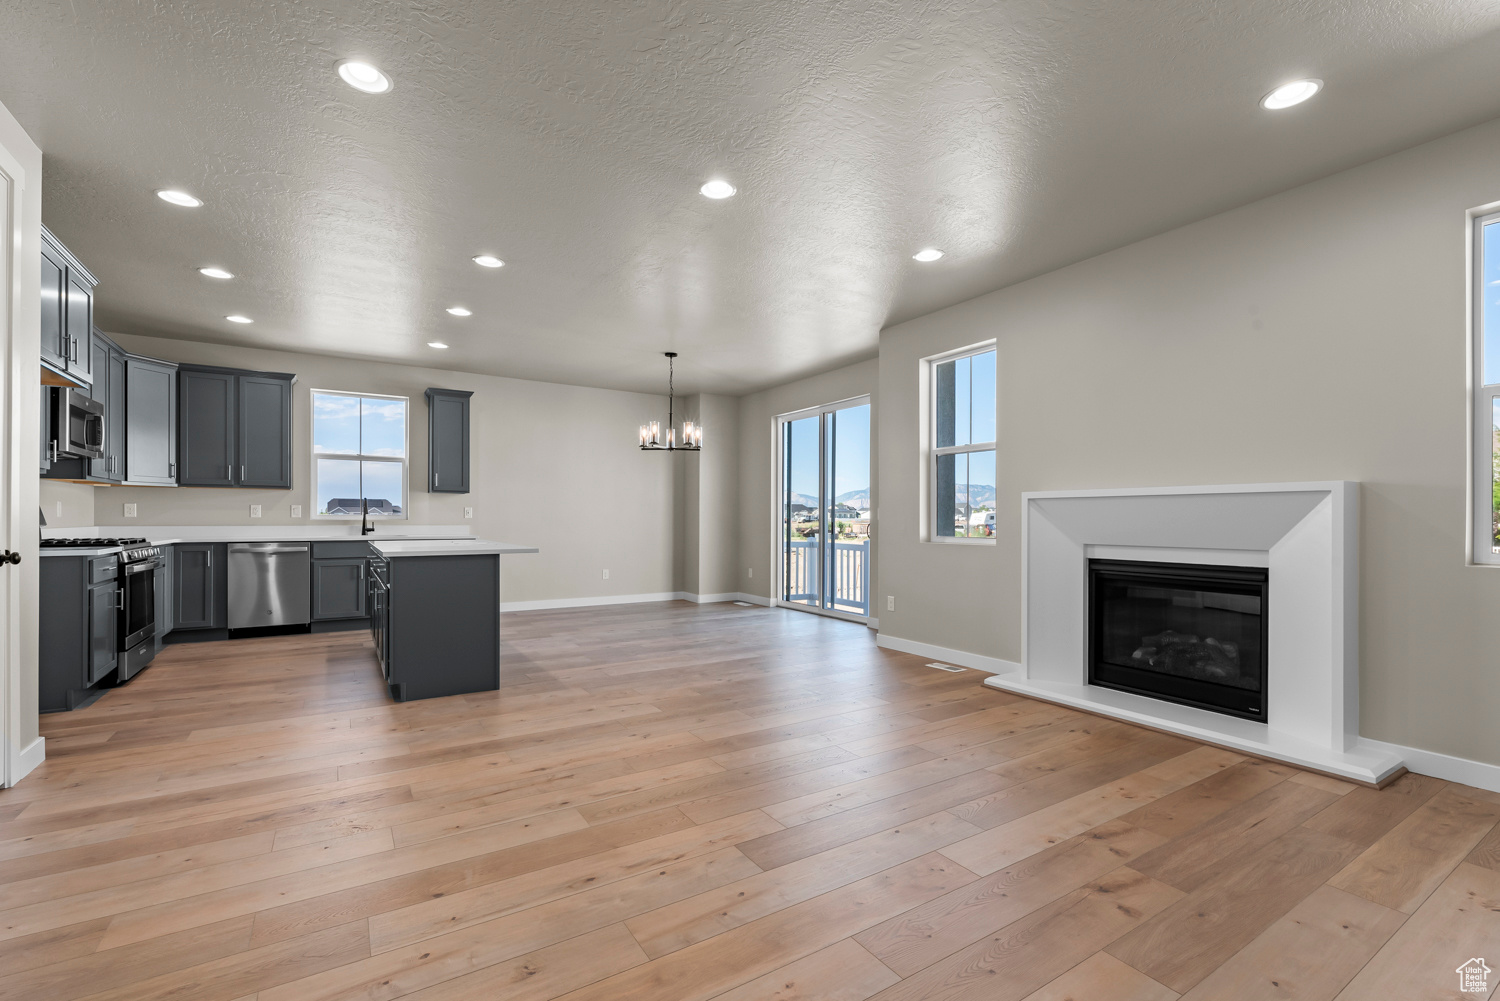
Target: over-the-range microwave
<point x="77" y="424"/>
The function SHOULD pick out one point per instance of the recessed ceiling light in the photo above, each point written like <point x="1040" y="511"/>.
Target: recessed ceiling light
<point x="489" y="261"/>
<point x="437" y="344"/>
<point x="459" y="311"/>
<point x="237" y="318"/>
<point x="717" y="189"/>
<point x="1289" y="94"/>
<point x="214" y="273"/>
<point x="363" y="76"/>
<point x="176" y="197"/>
<point x="927" y="254"/>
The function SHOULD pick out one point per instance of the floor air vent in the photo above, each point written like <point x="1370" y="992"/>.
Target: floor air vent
<point x="948" y="667"/>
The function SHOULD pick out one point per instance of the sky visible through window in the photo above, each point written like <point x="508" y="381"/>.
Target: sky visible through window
<point x="350" y="436"/>
<point x="1490" y="314"/>
<point x="851" y="473"/>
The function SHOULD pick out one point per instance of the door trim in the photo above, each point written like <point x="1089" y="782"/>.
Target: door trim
<point x="15" y="761"/>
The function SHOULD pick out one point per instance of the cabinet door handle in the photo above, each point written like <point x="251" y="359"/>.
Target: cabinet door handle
<point x="242" y="474"/>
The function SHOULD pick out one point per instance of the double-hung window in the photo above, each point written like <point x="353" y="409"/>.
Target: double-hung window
<point x="1486" y="389"/>
<point x="359" y="454"/>
<point x="962" y="471"/>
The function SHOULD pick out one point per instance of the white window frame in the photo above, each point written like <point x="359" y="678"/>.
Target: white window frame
<point x="1482" y="400"/>
<point x="405" y="459"/>
<point x="933" y="452"/>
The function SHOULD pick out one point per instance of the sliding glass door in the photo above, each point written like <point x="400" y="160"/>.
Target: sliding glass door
<point x="825" y="512"/>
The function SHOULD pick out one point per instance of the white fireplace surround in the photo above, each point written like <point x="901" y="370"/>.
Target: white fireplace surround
<point x="1307" y="534"/>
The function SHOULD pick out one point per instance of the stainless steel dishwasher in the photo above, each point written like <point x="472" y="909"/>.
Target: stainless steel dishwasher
<point x="268" y="584"/>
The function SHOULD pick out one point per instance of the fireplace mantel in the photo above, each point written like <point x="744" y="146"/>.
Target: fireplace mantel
<point x="1307" y="534"/>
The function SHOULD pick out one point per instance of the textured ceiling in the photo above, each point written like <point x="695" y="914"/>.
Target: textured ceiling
<point x="570" y="139"/>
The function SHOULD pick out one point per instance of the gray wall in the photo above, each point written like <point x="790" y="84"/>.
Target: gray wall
<point x="67" y="505"/>
<point x="551" y="466"/>
<point x="1319" y="334"/>
<point x="757" y="462"/>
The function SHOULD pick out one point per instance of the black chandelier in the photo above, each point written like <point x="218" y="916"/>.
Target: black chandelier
<point x="692" y="434"/>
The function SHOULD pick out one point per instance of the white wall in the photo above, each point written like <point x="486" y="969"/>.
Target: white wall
<point x="708" y="503"/>
<point x="758" y="455"/>
<point x="551" y="466"/>
<point x="1316" y="335"/>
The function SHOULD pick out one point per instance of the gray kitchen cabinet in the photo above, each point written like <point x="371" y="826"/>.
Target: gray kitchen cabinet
<point x="448" y="441"/>
<point x="338" y="589"/>
<point x="104" y="639"/>
<point x="265" y="431"/>
<point x="150" y="421"/>
<point x="55" y="347"/>
<point x="200" y="586"/>
<point x="436" y="624"/>
<point x="234" y="428"/>
<point x="163" y="591"/>
<point x="78" y="623"/>
<point x="205" y="431"/>
<point x="67" y="311"/>
<point x="114" y="415"/>
<point x="109" y="390"/>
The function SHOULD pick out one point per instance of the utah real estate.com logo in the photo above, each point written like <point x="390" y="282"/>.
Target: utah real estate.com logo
<point x="1473" y="977"/>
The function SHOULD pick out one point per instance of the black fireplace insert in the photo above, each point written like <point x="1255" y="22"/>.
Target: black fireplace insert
<point x="1185" y="632"/>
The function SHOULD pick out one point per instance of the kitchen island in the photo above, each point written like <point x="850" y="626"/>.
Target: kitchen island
<point x="435" y="614"/>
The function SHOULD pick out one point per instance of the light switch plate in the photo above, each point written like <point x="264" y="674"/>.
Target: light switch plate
<point x="890" y="603"/>
<point x="59" y="509"/>
<point x="255" y="510"/>
<point x="606" y="575"/>
<point x="129" y="510"/>
<point x="750" y="571"/>
<point x="296" y="510"/>
<point x="468" y="512"/>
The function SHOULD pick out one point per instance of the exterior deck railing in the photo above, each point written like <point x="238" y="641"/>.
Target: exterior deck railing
<point x="850" y="572"/>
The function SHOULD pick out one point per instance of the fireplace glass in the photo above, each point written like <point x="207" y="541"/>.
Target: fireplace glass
<point x="1185" y="632"/>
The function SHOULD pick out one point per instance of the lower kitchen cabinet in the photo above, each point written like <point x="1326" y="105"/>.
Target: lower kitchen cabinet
<point x="199" y="589"/>
<point x="78" y="643"/>
<point x="338" y="589"/>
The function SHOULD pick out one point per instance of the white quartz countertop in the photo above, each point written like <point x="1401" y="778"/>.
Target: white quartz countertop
<point x="81" y="551"/>
<point x="447" y="547"/>
<point x="166" y="535"/>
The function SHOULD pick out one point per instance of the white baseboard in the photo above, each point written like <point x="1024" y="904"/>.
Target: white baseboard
<point x="709" y="599"/>
<point x="629" y="599"/>
<point x="979" y="662"/>
<point x="27" y="758"/>
<point x="1442" y="766"/>
<point x="602" y="599"/>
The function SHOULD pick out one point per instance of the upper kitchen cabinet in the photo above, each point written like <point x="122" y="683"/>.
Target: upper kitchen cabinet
<point x="67" y="312"/>
<point x="150" y="421"/>
<point x="448" y="441"/>
<point x="265" y="431"/>
<point x="234" y="428"/>
<point x="108" y="390"/>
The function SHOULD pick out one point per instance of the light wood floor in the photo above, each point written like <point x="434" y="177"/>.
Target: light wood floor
<point x="678" y="802"/>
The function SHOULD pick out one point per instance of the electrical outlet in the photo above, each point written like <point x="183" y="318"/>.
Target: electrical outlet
<point x="750" y="571"/>
<point x="255" y="510"/>
<point x="606" y="575"/>
<point x="468" y="512"/>
<point x="129" y="510"/>
<point x="890" y="603"/>
<point x="296" y="510"/>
